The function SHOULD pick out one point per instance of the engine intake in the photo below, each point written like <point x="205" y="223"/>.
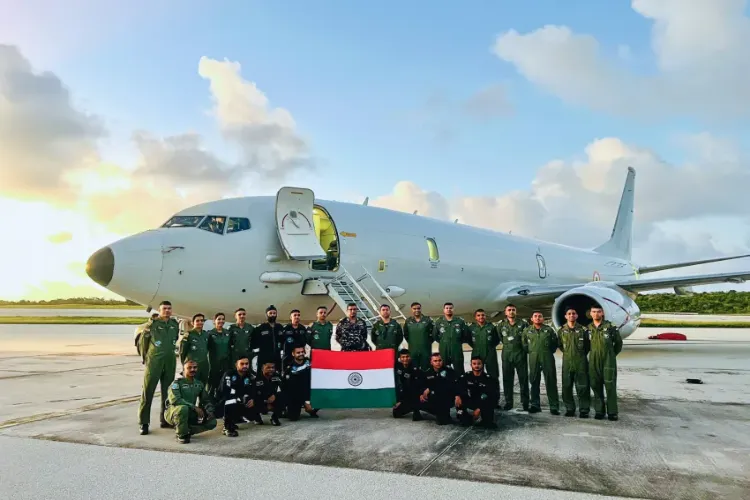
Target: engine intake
<point x="619" y="308"/>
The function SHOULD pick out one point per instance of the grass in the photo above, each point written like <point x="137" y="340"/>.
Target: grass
<point x="69" y="320"/>
<point x="658" y="323"/>
<point x="67" y="306"/>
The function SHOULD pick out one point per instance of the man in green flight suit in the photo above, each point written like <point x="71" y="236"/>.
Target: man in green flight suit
<point x="182" y="412"/>
<point x="484" y="340"/>
<point x="321" y="331"/>
<point x="418" y="332"/>
<point x="451" y="332"/>
<point x="606" y="344"/>
<point x="575" y="344"/>
<point x="157" y="343"/>
<point x="194" y="346"/>
<point x="514" y="357"/>
<point x="386" y="332"/>
<point x="540" y="341"/>
<point x="240" y="333"/>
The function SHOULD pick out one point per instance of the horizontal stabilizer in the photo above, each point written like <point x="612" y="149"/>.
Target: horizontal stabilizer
<point x="664" y="267"/>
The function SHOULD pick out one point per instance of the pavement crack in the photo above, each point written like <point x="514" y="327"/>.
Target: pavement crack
<point x="450" y="445"/>
<point x="36" y="374"/>
<point x="47" y="416"/>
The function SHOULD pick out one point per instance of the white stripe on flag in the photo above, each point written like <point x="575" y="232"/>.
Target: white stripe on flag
<point x="352" y="379"/>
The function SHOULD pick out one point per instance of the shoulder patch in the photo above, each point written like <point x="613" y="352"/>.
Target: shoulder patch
<point x="175" y="386"/>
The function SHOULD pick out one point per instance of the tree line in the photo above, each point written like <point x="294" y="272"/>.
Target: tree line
<point x="731" y="302"/>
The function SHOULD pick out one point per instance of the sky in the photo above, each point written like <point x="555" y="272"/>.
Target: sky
<point x="114" y="115"/>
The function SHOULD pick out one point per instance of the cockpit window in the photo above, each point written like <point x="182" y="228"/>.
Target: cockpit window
<point x="214" y="224"/>
<point x="237" y="224"/>
<point x="184" y="221"/>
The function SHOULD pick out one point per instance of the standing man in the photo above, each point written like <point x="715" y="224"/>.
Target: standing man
<point x="240" y="333"/>
<point x="514" y="357"/>
<point x="321" y="331"/>
<point x="351" y="332"/>
<point x="451" y="332"/>
<point x="182" y="412"/>
<point x="484" y="340"/>
<point x="157" y="344"/>
<point x="575" y="344"/>
<point x="606" y="344"/>
<point x="418" y="332"/>
<point x="293" y="334"/>
<point x="194" y="346"/>
<point x="386" y="332"/>
<point x="266" y="342"/>
<point x="540" y="341"/>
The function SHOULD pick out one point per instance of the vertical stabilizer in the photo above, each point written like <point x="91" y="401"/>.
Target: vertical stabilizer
<point x="621" y="241"/>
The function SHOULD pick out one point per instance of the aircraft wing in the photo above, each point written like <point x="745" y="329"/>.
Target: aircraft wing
<point x="536" y="292"/>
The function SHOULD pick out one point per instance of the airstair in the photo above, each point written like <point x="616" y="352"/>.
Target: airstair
<point x="345" y="289"/>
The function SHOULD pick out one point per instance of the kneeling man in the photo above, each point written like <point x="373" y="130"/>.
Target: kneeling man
<point x="181" y="410"/>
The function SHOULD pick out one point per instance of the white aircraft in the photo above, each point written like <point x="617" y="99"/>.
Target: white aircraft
<point x="293" y="251"/>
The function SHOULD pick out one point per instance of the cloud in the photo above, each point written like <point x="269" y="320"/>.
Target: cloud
<point x="42" y="135"/>
<point x="59" y="238"/>
<point x="267" y="137"/>
<point x="699" y="48"/>
<point x="489" y="102"/>
<point x="693" y="210"/>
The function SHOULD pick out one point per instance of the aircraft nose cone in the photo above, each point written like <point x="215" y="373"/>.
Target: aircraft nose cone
<point x="101" y="266"/>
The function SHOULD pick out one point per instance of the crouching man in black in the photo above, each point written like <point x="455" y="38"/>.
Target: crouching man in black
<point x="267" y="394"/>
<point x="237" y="391"/>
<point x="296" y="385"/>
<point x="438" y="390"/>
<point x="408" y="387"/>
<point x="477" y="393"/>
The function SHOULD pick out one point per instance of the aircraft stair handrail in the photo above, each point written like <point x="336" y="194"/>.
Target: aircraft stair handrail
<point x="388" y="297"/>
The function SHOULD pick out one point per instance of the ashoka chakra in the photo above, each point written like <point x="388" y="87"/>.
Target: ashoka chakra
<point x="355" y="379"/>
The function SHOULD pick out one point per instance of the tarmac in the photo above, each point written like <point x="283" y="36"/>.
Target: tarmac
<point x="63" y="389"/>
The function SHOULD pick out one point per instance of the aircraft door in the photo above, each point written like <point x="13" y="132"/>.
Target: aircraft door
<point x="294" y="223"/>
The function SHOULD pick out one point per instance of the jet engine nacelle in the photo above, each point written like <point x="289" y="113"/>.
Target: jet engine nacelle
<point x="619" y="308"/>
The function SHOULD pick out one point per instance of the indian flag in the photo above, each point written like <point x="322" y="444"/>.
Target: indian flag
<point x="352" y="379"/>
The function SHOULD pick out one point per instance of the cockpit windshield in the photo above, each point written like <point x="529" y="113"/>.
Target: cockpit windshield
<point x="184" y="221"/>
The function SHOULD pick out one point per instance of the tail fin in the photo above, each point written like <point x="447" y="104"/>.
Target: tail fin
<point x="620" y="243"/>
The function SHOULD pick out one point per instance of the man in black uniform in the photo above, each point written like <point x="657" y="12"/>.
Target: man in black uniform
<point x="408" y="380"/>
<point x="296" y="385"/>
<point x="266" y="341"/>
<point x="438" y="390"/>
<point x="477" y="395"/>
<point x="237" y="394"/>
<point x="267" y="395"/>
<point x="293" y="334"/>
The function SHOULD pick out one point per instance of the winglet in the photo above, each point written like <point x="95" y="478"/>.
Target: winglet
<point x="620" y="243"/>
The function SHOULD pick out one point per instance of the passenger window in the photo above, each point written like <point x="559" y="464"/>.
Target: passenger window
<point x="184" y="221"/>
<point x="214" y="224"/>
<point x="237" y="224"/>
<point x="432" y="247"/>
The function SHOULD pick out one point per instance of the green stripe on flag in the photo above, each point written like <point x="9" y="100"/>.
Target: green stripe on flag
<point x="353" y="398"/>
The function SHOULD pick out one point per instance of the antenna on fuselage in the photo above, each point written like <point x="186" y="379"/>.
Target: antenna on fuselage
<point x="367" y="199"/>
<point x="415" y="212"/>
<point x="455" y="221"/>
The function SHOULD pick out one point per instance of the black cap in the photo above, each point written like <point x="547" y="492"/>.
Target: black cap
<point x="271" y="308"/>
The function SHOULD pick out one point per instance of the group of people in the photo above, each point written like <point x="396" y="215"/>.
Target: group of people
<point x="217" y="380"/>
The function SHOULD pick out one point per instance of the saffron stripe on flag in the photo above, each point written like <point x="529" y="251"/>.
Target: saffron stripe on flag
<point x="352" y="379"/>
<point x="348" y="398"/>
<point x="357" y="360"/>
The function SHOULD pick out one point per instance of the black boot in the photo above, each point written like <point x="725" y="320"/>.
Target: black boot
<point x="143" y="429"/>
